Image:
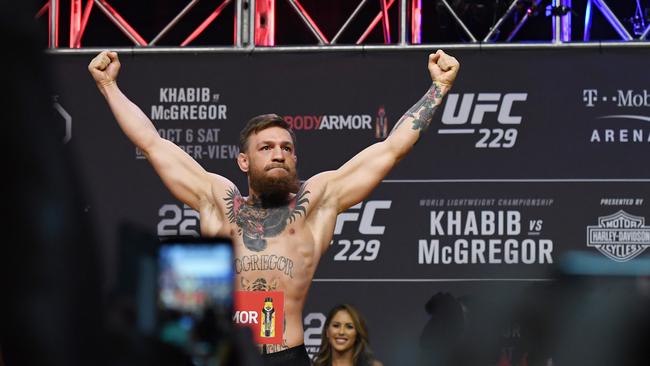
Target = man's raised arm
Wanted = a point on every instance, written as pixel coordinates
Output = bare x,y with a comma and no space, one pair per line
184,177
352,182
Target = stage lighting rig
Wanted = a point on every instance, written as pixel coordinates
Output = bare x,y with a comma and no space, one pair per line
640,19
557,11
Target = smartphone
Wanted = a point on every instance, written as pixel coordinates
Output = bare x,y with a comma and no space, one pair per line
195,293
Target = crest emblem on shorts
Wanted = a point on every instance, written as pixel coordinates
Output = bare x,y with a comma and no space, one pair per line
619,236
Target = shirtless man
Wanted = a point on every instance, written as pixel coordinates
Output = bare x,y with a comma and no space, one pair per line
280,222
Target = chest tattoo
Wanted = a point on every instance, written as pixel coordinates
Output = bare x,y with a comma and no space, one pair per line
256,223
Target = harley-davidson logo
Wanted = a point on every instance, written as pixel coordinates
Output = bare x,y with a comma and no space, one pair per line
619,236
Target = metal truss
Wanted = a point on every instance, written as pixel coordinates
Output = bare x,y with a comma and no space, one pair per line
255,22
79,16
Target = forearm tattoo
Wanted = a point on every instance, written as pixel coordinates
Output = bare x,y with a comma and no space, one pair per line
422,112
256,223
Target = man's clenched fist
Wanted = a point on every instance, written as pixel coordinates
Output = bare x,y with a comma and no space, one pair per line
443,68
104,68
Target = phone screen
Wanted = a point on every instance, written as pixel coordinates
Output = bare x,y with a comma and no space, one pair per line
195,293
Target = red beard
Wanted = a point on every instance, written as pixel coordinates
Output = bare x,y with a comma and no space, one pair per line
274,190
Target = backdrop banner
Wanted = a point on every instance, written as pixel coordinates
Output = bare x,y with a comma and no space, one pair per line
534,154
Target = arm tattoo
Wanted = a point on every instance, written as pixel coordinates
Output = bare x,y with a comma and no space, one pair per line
256,223
422,112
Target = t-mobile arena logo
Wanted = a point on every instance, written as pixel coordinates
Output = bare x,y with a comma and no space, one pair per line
620,98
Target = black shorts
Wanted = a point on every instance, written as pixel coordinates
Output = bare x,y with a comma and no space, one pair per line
295,356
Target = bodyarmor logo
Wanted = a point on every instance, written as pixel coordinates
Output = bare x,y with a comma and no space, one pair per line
329,122
620,236
262,312
381,124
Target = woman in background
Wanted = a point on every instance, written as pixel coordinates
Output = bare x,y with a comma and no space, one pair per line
345,340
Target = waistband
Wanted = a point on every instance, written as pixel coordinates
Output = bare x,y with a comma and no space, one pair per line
297,353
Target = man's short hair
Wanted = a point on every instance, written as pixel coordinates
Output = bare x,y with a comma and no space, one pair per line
262,122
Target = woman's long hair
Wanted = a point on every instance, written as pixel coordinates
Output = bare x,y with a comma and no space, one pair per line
361,355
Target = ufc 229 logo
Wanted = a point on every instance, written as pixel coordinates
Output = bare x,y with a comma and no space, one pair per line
466,114
362,216
177,220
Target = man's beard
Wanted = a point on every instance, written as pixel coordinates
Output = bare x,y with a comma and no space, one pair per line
274,191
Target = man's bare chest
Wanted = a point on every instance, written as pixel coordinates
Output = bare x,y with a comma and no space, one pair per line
255,225
286,261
